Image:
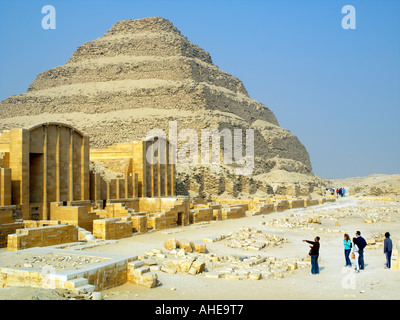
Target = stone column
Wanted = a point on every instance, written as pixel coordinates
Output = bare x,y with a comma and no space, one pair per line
58,188
19,164
85,169
71,166
44,193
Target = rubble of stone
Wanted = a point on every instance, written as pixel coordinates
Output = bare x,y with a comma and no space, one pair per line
304,224
54,261
252,239
211,265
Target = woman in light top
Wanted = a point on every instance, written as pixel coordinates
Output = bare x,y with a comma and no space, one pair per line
356,254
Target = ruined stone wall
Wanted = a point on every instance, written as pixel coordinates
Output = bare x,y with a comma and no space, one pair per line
76,215
49,162
42,236
112,228
5,187
155,177
7,229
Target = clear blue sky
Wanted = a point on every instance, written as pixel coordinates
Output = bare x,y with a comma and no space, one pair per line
337,90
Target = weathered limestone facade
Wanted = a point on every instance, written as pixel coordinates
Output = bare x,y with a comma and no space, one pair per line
49,162
5,187
42,236
44,176
149,160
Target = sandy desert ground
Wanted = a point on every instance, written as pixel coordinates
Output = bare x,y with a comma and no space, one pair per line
334,281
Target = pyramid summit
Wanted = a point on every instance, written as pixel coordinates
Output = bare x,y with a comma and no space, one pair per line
154,36
144,25
142,74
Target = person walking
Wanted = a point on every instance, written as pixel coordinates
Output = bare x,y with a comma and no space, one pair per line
347,249
361,243
314,253
387,249
356,254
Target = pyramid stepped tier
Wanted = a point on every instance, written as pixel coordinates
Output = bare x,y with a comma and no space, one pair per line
140,75
100,97
176,68
272,144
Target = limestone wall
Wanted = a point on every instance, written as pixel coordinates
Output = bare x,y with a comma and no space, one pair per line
76,215
155,176
7,229
42,236
113,210
201,214
5,187
296,204
139,223
6,215
112,228
110,271
114,189
281,205
48,162
233,212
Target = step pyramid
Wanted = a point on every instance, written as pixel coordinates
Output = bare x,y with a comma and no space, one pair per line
142,74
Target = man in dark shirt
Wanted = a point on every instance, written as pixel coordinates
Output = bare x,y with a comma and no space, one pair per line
387,249
361,245
314,253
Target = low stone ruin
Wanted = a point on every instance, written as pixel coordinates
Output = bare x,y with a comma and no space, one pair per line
252,239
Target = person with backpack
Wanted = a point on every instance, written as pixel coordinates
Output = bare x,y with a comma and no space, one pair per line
361,243
347,249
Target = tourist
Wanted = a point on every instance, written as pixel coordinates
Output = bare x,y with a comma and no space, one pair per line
343,192
361,245
314,253
347,249
356,254
387,249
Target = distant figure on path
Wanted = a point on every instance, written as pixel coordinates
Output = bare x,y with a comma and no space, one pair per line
356,254
387,249
347,249
343,192
314,253
361,245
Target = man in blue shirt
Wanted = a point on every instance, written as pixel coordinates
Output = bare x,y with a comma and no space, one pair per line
387,249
